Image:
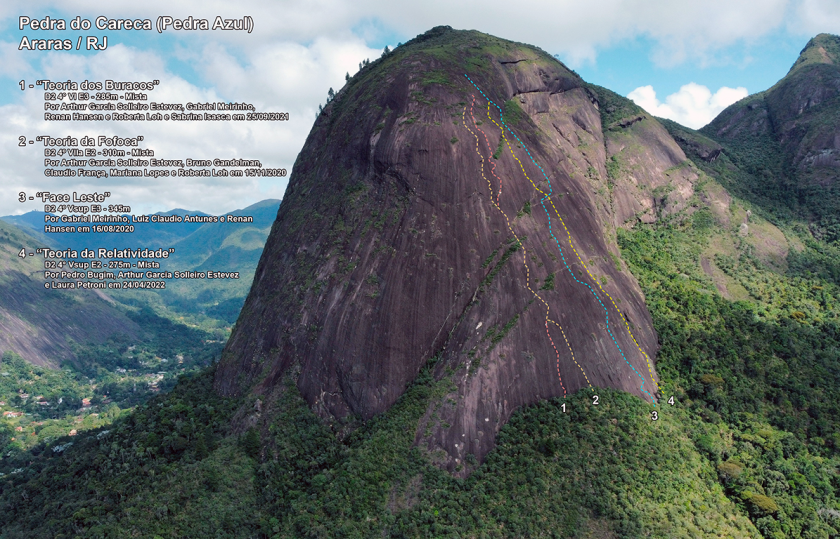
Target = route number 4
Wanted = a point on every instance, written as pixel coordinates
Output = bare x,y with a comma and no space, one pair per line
654,415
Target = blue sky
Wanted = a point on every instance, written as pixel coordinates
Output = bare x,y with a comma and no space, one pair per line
627,65
683,59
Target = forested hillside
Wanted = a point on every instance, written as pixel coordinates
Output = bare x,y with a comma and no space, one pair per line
742,438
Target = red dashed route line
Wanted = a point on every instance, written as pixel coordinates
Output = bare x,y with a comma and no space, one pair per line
525,257
524,251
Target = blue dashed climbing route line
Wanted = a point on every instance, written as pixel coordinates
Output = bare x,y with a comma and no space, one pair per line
551,232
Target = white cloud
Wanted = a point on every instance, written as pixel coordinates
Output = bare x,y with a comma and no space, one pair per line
284,72
300,48
816,16
693,105
683,29
12,64
285,77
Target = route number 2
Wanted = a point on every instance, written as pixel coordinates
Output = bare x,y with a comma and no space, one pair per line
595,399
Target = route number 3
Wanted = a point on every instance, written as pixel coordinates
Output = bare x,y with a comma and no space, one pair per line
654,415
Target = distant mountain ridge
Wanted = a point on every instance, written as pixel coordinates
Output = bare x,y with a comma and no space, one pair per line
152,235
207,240
219,246
412,187
41,325
226,247
787,138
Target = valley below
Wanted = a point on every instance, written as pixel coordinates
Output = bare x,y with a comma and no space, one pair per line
495,301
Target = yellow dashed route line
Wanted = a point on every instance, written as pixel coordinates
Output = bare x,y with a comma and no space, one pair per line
570,350
568,234
524,251
525,263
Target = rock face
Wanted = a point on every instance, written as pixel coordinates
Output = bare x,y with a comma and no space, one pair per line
649,172
455,201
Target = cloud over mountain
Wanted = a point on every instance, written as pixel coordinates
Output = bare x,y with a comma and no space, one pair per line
693,105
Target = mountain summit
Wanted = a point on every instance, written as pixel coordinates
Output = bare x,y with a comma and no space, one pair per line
446,252
787,138
456,204
821,49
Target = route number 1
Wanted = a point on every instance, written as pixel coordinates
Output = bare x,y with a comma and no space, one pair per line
563,406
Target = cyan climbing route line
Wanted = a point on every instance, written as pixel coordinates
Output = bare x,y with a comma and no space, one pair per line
547,196
571,244
481,162
524,251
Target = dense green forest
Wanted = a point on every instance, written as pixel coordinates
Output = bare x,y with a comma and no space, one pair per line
41,404
744,441
758,379
749,448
